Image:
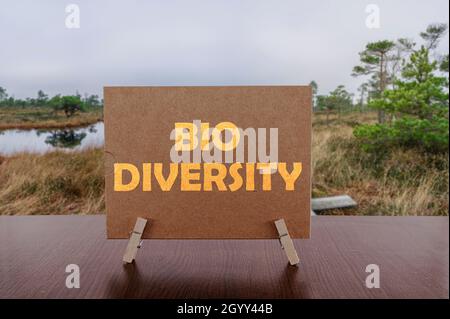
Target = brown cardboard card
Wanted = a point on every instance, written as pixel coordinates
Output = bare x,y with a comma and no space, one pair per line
208,162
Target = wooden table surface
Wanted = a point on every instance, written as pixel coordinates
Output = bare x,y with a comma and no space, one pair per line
412,253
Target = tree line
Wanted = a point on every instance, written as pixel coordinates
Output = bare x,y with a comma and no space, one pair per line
408,85
69,104
382,63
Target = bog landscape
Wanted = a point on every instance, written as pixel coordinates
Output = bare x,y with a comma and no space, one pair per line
386,146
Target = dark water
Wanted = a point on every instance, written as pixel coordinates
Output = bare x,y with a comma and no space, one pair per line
41,141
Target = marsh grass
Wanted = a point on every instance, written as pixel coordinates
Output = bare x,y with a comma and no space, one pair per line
401,182
44,118
53,183
398,182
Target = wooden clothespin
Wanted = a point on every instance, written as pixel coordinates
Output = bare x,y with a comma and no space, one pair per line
286,242
135,240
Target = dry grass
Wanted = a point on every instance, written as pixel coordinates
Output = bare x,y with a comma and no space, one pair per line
403,183
44,118
54,183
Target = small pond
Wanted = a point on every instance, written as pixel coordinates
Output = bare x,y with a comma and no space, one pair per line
44,140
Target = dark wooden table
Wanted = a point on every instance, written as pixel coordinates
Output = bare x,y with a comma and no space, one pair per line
412,253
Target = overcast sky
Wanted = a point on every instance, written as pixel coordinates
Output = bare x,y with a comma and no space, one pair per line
196,42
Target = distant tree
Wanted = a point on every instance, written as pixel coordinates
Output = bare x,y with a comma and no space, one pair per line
324,104
405,45
338,100
420,103
433,34
341,99
71,104
92,101
42,98
3,97
31,102
55,103
443,64
3,94
403,48
374,60
363,90
314,88
20,102
421,93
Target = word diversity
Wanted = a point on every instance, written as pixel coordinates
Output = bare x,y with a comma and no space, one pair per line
202,157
